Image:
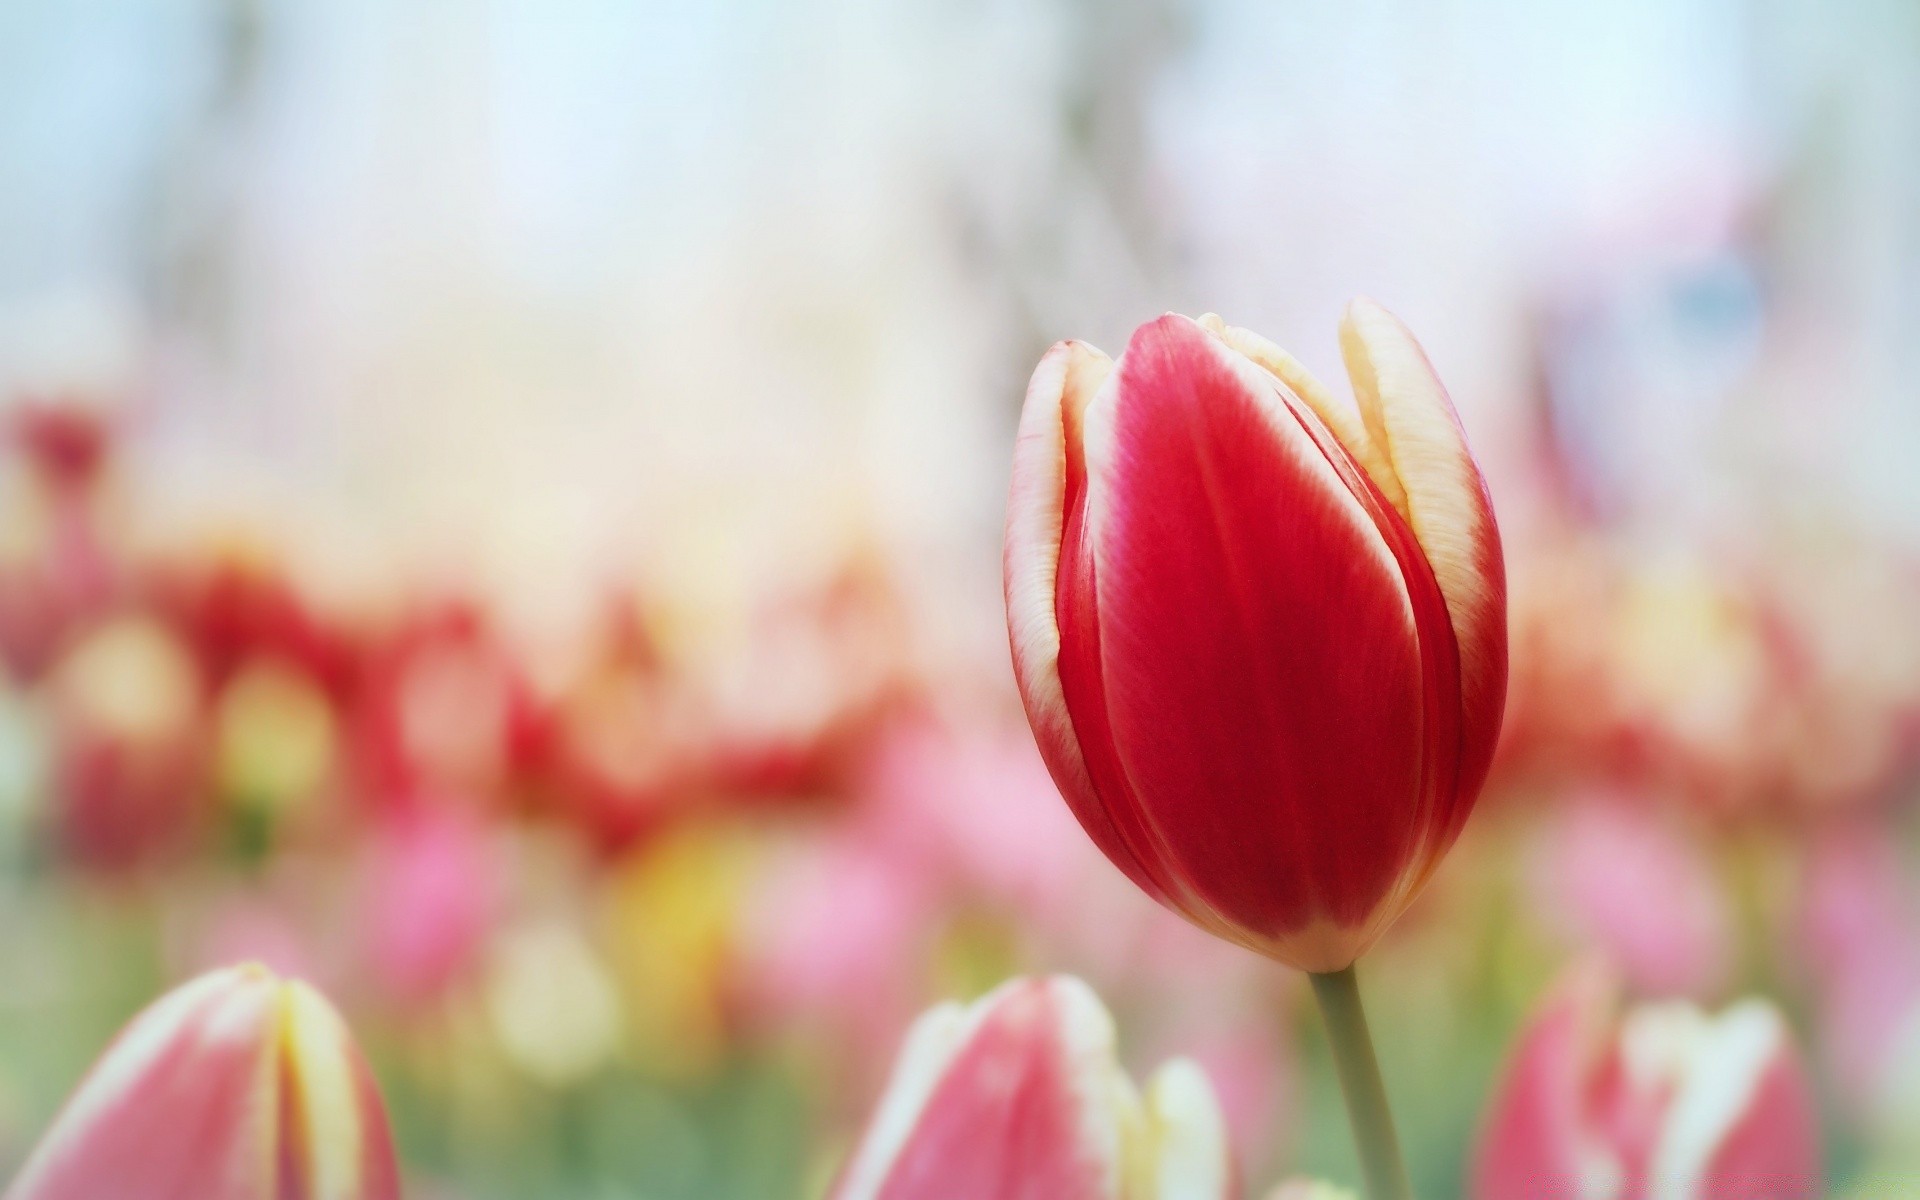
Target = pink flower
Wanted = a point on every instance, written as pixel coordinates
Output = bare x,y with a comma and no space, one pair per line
430,898
1666,1103
1260,632
1018,1097
234,1086
1622,879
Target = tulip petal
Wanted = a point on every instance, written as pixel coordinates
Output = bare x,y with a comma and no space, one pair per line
1742,1122
994,1101
335,1143
1258,653
234,1086
1186,1156
1047,461
181,1105
1339,416
1534,1142
1406,411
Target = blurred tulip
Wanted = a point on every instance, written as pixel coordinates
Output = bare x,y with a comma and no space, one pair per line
238,606
130,756
1018,1095
235,1086
1260,632
65,441
1617,876
431,891
447,709
805,682
834,932
975,809
626,754
1857,920
1666,1103
57,573
273,739
554,1006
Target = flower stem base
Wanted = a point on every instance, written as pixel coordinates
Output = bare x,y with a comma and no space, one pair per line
1380,1163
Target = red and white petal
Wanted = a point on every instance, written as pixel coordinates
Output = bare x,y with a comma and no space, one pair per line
1406,411
1044,501
334,1143
234,1086
1340,416
1535,1139
1259,658
184,1103
1017,1097
1743,1121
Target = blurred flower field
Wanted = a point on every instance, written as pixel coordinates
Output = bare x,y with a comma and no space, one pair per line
576,649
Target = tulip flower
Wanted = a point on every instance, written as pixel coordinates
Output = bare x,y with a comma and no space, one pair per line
1018,1097
235,1086
1666,1103
1260,632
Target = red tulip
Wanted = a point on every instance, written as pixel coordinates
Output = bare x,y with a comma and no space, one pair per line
1260,632
1665,1104
1018,1097
235,1086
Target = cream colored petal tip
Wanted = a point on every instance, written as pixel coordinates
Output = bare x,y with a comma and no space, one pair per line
1186,1156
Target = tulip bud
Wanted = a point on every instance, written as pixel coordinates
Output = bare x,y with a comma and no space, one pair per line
1665,1104
235,1086
1260,632
1018,1097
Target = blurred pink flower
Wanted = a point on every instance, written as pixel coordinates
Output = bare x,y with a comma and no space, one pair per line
1859,932
1620,877
977,808
430,898
1018,1096
1663,1102
834,932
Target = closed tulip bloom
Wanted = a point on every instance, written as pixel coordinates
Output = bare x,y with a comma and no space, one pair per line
235,1086
1667,1103
1019,1097
1260,631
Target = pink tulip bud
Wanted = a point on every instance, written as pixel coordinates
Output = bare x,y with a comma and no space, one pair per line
1664,1104
1018,1097
235,1086
1260,631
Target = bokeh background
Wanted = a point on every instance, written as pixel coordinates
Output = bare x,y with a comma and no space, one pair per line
500,515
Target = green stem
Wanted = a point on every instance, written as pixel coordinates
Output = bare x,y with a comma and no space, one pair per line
1380,1161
